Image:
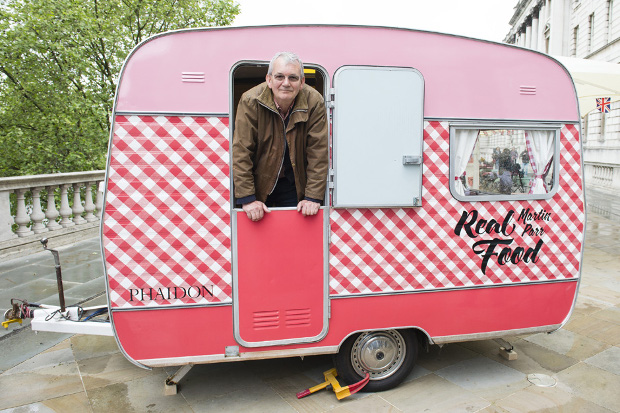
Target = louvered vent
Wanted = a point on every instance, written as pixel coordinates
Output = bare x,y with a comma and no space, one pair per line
527,90
298,318
193,77
264,320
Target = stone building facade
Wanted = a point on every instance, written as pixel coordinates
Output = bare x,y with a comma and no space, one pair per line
586,29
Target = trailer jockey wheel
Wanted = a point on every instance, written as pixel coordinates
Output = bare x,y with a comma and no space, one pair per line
388,356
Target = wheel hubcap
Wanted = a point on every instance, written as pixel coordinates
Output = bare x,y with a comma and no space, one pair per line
379,353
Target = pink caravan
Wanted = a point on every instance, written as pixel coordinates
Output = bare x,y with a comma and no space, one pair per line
454,209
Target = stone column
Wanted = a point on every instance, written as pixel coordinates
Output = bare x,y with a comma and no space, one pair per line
535,29
21,216
99,201
542,24
51,213
65,209
37,216
6,219
559,38
77,205
89,206
528,32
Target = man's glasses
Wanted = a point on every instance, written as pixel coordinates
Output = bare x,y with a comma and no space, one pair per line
291,78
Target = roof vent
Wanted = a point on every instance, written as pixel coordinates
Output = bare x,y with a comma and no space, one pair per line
527,90
193,77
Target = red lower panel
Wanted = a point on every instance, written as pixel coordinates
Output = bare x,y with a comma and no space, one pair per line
280,276
186,332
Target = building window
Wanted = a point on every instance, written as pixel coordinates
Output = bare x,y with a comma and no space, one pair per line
590,31
610,19
495,164
601,137
573,51
585,127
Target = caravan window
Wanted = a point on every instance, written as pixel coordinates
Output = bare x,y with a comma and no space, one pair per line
502,163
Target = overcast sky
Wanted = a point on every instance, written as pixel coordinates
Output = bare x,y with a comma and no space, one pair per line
483,19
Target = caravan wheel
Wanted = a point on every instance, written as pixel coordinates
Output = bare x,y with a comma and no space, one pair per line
387,356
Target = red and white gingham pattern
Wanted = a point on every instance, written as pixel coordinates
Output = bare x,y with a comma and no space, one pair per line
167,221
392,250
167,215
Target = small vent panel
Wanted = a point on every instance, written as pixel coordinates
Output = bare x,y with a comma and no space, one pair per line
527,90
298,318
193,77
264,320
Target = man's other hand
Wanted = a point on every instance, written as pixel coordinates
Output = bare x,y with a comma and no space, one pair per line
308,208
255,210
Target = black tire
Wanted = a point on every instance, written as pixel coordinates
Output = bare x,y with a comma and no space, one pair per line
388,356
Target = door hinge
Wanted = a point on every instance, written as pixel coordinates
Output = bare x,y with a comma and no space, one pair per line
331,97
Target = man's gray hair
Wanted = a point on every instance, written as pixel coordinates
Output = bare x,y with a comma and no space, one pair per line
288,57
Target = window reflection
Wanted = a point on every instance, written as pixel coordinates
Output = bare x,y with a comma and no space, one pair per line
503,161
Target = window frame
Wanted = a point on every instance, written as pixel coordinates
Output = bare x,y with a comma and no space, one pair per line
590,43
454,126
575,41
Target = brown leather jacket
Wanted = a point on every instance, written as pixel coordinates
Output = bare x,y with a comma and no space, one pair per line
258,144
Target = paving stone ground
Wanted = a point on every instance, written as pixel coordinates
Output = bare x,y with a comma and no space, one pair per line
576,369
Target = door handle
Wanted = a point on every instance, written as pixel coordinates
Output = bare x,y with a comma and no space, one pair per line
412,160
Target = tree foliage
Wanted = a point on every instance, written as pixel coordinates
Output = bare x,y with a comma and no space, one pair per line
59,63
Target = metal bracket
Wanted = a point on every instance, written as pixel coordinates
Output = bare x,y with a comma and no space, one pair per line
506,350
331,97
231,351
329,308
170,387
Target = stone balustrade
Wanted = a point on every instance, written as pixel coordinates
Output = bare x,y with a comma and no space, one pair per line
30,221
603,176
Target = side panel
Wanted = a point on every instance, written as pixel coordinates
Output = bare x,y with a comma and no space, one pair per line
394,250
166,228
193,333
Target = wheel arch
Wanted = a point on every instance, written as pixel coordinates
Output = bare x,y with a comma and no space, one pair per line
422,335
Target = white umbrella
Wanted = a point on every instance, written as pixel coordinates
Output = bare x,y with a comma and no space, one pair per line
593,79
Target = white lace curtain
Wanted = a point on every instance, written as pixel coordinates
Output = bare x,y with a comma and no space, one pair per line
540,149
465,142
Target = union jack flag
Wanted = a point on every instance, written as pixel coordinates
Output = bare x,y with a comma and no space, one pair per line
603,104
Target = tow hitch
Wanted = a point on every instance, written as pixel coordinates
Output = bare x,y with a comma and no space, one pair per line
63,319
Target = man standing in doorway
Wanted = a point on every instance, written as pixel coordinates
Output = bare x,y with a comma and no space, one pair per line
280,143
